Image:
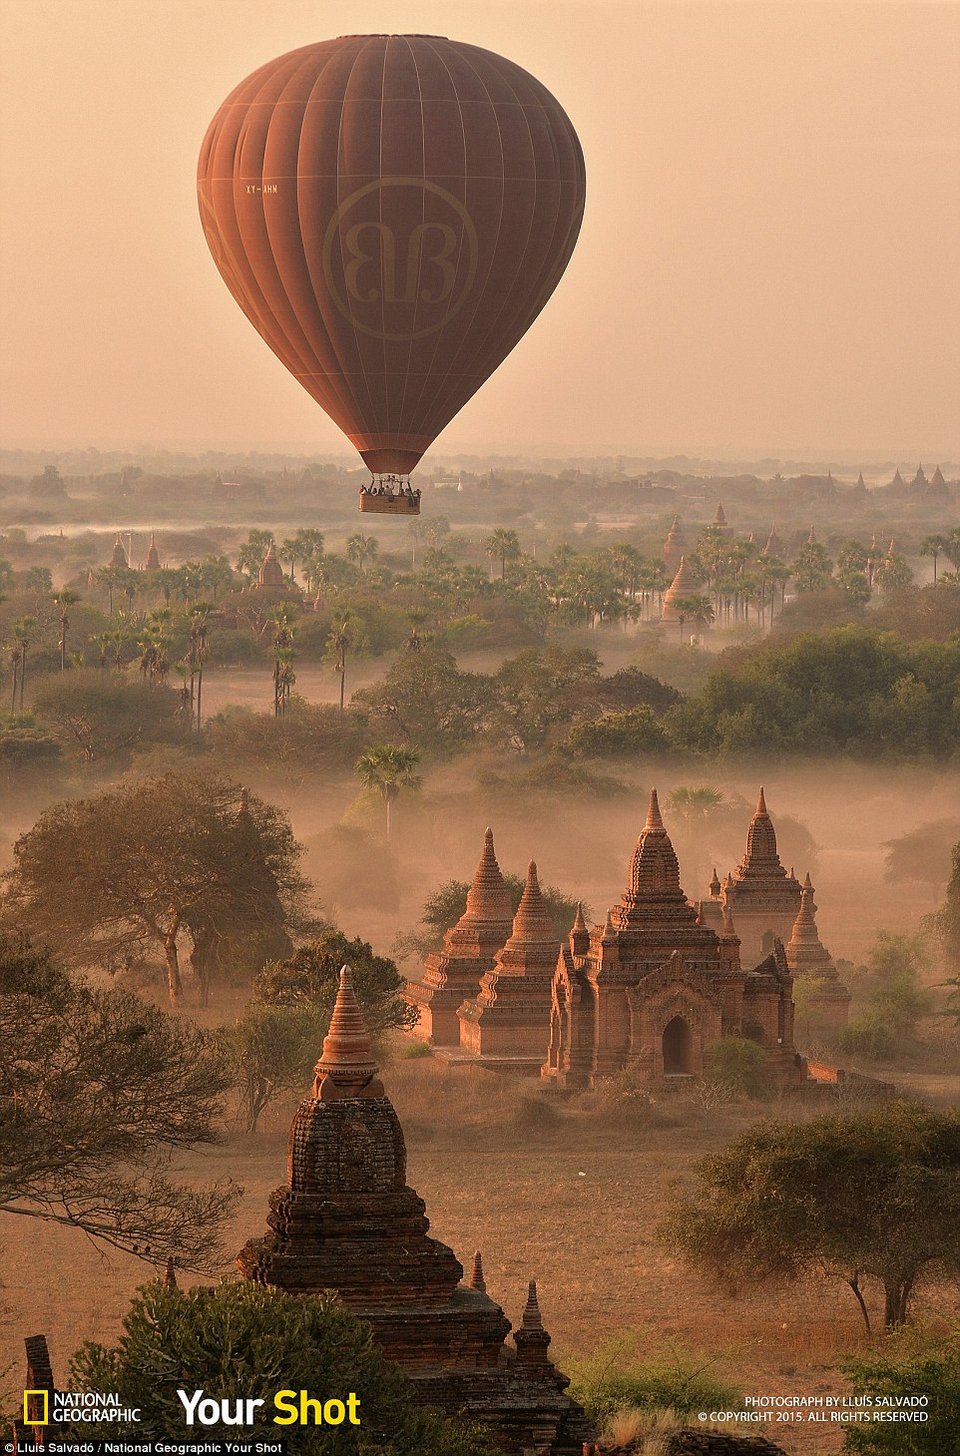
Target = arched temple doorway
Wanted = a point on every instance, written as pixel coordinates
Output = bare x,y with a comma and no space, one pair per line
677,1048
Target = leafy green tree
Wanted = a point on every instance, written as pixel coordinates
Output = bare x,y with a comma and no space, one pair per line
27,750
812,568
243,1341
539,690
386,769
893,573
140,866
922,855
934,1374
871,1198
271,1050
619,735
99,1092
428,702
310,976
101,720
630,687
895,1001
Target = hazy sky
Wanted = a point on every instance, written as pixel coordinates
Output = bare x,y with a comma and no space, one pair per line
770,259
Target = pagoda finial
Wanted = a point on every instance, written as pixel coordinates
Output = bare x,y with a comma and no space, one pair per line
761,803
346,1067
715,884
728,929
170,1278
807,882
579,924
477,1280
654,818
609,934
532,1318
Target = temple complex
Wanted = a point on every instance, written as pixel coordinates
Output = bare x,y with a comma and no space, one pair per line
347,1221
656,985
651,988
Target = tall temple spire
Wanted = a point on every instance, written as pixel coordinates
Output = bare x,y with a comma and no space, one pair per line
654,817
720,518
346,1067
761,857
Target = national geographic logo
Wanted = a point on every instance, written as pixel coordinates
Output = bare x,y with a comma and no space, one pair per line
400,281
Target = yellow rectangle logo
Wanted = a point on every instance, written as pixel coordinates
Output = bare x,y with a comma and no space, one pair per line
45,1418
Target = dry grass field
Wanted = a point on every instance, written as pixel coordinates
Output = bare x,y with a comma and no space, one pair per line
570,1197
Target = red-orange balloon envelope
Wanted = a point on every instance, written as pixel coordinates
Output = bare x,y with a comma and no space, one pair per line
391,212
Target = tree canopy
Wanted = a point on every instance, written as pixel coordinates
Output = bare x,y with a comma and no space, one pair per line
98,1090
242,1341
135,868
869,1198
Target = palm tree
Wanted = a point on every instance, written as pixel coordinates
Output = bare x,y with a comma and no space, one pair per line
215,574
22,630
502,546
361,549
303,547
111,577
199,613
932,546
101,641
343,634
697,609
64,598
387,769
283,673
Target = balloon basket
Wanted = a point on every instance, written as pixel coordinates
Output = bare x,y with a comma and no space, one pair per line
385,505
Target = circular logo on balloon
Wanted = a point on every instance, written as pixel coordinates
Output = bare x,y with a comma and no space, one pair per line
400,257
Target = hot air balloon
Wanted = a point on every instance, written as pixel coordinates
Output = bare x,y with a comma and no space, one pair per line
391,212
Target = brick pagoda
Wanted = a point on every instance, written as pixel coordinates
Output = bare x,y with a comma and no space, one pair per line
347,1221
